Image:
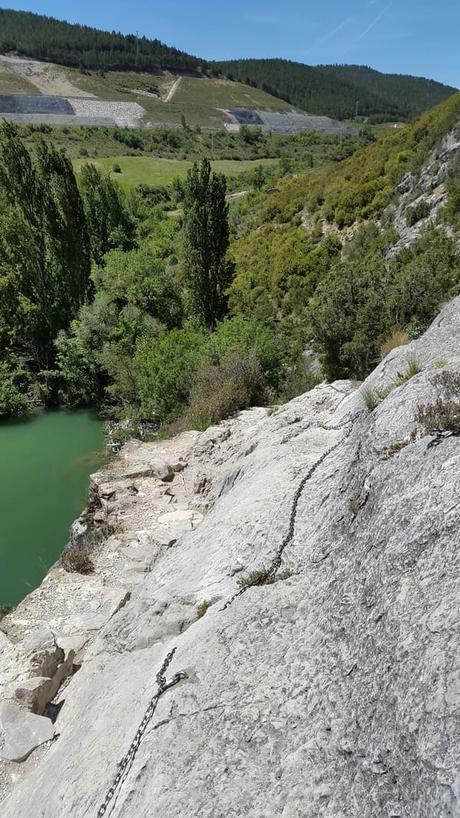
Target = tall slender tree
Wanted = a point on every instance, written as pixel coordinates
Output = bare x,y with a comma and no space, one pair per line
44,245
208,272
108,221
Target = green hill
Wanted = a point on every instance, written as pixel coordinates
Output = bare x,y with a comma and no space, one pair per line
314,255
339,91
44,38
413,95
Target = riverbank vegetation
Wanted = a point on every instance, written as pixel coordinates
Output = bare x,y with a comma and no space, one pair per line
109,301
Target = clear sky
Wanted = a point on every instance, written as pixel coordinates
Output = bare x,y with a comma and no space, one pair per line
406,36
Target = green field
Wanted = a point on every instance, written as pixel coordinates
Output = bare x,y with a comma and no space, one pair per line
147,170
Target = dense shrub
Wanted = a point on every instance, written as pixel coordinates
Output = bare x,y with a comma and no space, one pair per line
418,212
220,390
165,369
14,381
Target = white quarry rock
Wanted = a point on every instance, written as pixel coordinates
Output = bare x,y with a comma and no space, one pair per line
21,732
331,693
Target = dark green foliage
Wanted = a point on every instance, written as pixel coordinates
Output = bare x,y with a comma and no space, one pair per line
340,91
44,247
361,300
14,383
135,297
418,212
165,368
246,334
206,241
108,222
346,314
83,47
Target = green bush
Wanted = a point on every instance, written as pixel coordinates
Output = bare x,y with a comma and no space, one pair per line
219,391
14,382
77,561
165,369
415,214
247,334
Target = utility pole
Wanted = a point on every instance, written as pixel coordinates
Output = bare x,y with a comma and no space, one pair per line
137,49
357,109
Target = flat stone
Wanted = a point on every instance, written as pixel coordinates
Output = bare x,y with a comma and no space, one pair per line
21,732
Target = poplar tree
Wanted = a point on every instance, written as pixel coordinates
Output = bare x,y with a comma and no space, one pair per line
44,246
206,241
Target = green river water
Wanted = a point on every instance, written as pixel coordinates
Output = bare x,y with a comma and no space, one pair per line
44,468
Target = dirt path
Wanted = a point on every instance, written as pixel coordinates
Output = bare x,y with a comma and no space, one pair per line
230,197
172,90
50,80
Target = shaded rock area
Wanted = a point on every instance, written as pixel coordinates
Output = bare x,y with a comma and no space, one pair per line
329,688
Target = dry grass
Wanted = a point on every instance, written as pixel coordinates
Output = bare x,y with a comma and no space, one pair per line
397,339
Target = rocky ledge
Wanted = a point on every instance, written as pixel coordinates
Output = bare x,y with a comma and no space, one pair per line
272,625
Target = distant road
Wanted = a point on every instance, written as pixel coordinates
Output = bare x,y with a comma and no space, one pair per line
230,197
173,90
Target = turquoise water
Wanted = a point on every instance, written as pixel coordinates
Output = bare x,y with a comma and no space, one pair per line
44,468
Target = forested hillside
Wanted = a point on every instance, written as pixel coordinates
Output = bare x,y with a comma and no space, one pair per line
44,38
316,253
339,91
412,95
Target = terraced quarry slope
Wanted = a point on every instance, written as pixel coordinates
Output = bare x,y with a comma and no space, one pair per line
128,98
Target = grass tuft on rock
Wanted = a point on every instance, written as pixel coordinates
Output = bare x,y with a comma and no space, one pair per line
262,576
77,561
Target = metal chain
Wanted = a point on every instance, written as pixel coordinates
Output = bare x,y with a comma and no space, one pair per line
276,562
127,761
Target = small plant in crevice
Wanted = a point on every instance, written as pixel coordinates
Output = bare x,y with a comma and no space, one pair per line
357,502
262,576
202,608
442,416
413,368
448,382
399,445
77,561
372,397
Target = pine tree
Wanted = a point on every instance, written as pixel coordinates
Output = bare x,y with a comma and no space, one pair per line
208,273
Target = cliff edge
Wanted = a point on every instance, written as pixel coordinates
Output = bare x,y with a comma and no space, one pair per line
272,626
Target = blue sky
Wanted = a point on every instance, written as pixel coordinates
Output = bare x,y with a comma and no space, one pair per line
405,36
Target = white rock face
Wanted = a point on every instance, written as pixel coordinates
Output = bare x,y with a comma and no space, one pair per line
331,693
21,732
